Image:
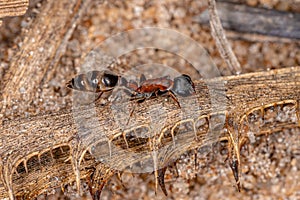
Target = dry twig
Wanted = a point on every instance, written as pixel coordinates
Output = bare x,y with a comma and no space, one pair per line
221,40
31,64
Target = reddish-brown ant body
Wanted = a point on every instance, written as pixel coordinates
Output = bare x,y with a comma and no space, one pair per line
147,88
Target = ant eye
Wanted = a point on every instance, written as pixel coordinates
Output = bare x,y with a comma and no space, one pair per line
110,80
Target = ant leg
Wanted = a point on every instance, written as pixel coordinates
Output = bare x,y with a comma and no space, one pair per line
141,100
133,109
124,136
156,93
98,97
130,115
174,97
128,91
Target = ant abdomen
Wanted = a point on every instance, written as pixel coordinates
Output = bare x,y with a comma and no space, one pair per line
94,81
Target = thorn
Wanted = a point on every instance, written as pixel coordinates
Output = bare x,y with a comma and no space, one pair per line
7,181
196,161
61,149
51,154
234,162
77,174
234,165
109,146
39,159
16,172
173,136
124,137
154,157
161,179
62,188
25,165
119,177
174,98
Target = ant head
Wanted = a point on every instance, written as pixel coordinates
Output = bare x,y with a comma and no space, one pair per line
183,86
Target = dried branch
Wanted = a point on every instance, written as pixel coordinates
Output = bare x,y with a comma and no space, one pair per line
262,22
221,40
31,64
46,134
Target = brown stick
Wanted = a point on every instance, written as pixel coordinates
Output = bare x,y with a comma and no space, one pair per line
221,40
46,133
251,20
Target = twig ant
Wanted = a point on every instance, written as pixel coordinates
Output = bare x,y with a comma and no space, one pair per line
104,81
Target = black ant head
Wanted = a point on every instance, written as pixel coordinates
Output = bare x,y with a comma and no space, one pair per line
183,86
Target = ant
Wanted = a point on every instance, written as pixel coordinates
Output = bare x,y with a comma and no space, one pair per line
105,81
